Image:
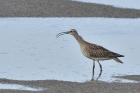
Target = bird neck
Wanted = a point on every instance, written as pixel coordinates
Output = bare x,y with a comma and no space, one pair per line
79,39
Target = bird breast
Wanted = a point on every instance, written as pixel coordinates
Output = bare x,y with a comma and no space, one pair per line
85,51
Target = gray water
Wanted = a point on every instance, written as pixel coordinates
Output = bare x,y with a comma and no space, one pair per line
29,49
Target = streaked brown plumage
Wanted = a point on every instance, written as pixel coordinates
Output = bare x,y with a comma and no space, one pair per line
97,52
93,51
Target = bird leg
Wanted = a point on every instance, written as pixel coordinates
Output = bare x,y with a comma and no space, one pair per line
100,70
93,70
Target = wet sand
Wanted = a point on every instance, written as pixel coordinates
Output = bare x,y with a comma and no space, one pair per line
66,8
130,77
54,86
62,8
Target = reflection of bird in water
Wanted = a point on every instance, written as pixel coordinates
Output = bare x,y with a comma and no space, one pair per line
93,51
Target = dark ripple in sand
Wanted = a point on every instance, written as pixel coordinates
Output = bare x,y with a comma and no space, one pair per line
130,77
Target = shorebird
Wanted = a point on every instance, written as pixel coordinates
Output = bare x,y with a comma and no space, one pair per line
93,51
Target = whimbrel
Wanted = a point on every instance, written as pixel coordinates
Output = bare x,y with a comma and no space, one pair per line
93,51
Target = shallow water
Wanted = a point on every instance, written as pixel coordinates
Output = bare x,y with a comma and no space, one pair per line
30,50
117,3
19,87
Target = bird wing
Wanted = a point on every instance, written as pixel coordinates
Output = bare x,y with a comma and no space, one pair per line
100,52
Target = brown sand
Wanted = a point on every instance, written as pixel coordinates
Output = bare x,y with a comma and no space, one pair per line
62,8
66,8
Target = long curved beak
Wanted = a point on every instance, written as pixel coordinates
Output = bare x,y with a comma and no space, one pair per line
62,33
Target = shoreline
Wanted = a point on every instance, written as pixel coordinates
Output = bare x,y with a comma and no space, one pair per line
67,8
55,86
63,8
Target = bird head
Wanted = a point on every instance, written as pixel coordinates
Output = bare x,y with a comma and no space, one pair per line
71,32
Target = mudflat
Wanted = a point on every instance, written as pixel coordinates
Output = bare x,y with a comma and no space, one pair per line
67,8
55,86
62,8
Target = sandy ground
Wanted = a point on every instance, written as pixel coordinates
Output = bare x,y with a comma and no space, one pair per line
54,86
66,8
130,77
62,8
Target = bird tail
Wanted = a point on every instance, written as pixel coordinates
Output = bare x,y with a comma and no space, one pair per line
118,60
121,56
